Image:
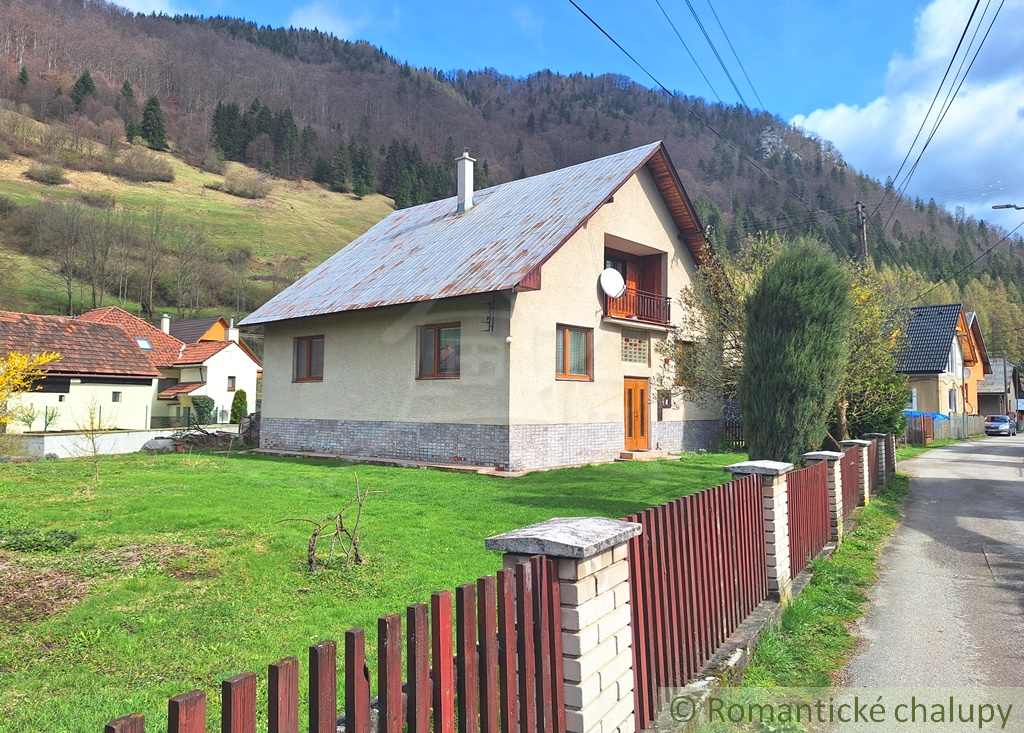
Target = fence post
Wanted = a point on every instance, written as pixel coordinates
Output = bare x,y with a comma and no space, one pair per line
865,479
597,634
776,521
835,488
890,442
882,440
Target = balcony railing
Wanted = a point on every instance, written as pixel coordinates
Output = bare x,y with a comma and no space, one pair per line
639,305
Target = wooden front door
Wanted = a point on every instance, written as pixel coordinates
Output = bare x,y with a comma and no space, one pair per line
635,398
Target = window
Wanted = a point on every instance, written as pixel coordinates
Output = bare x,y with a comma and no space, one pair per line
440,351
115,397
309,359
60,397
911,399
573,352
686,363
231,384
143,343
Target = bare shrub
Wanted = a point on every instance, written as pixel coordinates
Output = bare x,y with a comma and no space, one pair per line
50,175
97,199
246,185
141,166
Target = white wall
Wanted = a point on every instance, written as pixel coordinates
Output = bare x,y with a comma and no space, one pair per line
72,445
131,413
370,366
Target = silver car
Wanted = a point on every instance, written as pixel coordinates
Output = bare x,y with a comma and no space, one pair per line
1000,425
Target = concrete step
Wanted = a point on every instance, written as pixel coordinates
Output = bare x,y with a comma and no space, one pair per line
645,455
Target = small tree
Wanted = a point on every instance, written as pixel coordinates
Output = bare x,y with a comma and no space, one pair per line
91,427
797,345
203,407
19,373
154,127
84,87
27,415
50,416
23,77
239,406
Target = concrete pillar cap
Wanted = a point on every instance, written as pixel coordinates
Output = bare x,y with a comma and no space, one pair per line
854,442
764,468
572,537
823,455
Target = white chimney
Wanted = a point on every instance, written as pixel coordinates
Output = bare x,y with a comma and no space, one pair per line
231,334
464,167
165,323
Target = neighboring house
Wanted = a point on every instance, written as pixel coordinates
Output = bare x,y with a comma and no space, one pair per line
193,330
944,358
214,369
103,378
474,328
998,392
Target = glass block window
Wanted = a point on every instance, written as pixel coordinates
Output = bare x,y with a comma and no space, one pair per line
635,346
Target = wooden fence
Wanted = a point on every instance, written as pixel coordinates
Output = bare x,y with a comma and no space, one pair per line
809,526
696,571
504,676
849,469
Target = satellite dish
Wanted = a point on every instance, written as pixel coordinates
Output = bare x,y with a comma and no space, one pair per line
612,283
967,373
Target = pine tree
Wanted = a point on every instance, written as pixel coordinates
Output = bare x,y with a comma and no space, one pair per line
154,128
797,345
23,77
341,169
84,87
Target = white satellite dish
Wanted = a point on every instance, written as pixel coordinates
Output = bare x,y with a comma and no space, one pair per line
612,283
967,373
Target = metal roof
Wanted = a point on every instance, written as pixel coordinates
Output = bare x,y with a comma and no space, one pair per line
429,252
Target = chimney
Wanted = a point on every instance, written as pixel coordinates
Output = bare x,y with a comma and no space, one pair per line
231,334
464,167
165,323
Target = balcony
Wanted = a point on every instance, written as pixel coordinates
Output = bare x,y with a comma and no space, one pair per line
639,305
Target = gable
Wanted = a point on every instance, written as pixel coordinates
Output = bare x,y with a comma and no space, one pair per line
929,339
430,252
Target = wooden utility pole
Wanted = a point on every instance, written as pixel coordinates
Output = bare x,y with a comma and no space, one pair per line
862,232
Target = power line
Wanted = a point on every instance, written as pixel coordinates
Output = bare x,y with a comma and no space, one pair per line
735,55
969,265
692,57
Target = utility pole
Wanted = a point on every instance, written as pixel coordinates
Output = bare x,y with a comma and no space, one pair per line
862,232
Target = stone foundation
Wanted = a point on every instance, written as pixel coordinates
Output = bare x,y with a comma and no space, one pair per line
687,435
548,446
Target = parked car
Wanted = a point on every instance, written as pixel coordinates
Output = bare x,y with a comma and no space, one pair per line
1000,425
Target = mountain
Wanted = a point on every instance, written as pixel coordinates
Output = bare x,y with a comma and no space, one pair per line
303,104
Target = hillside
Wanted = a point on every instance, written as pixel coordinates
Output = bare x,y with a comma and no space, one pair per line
310,108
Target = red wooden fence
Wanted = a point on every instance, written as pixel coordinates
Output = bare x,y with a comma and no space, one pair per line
873,481
504,674
809,521
849,470
696,571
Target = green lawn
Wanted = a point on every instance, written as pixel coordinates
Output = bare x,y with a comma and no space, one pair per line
182,574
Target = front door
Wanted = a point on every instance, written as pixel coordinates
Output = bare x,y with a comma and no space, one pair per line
635,405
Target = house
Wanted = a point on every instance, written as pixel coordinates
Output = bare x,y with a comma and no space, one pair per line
944,358
193,330
474,329
214,369
998,392
104,377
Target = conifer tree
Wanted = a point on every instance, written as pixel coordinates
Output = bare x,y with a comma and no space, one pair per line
341,169
797,344
84,87
154,128
23,77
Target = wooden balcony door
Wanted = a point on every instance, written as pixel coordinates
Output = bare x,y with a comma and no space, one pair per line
635,401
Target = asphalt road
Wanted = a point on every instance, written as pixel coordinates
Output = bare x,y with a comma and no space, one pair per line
948,609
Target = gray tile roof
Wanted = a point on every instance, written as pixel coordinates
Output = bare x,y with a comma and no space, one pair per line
430,252
994,383
190,330
929,338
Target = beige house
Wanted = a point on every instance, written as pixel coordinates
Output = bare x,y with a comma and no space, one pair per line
476,329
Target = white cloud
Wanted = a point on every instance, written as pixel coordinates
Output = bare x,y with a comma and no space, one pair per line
981,138
326,16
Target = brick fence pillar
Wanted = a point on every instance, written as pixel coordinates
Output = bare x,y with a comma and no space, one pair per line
776,521
597,633
882,441
835,488
890,441
865,482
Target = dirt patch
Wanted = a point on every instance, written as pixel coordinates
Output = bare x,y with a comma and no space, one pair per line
183,561
32,594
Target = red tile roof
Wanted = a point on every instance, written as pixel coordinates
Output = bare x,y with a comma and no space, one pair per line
166,349
199,352
179,389
86,348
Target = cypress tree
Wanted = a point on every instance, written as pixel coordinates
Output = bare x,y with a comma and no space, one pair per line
154,128
797,344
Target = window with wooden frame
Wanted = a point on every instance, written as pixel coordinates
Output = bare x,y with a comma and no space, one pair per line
686,363
115,397
574,349
440,351
231,384
309,359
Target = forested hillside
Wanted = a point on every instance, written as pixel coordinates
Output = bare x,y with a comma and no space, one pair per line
305,106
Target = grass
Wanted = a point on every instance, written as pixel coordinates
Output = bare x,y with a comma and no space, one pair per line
181,574
814,640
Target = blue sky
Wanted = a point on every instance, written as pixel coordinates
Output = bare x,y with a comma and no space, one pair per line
860,73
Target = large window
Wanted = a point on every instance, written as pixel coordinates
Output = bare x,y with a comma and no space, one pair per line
440,351
573,352
309,359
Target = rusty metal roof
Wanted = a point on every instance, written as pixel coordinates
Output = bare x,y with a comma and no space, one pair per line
429,252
